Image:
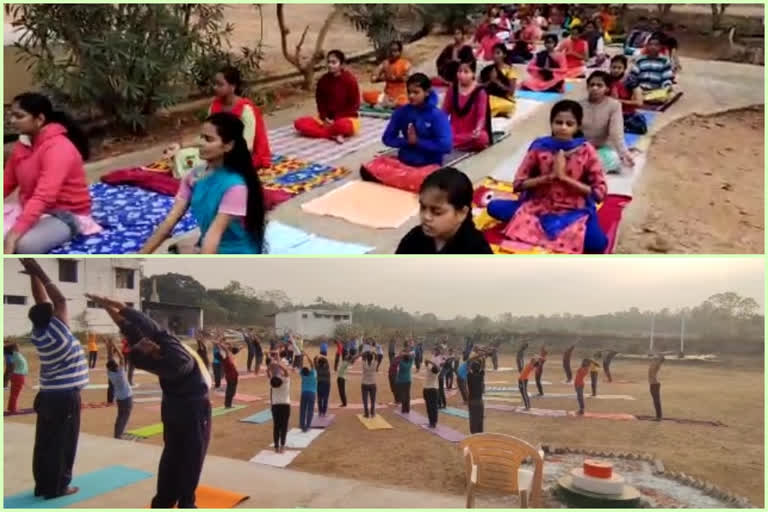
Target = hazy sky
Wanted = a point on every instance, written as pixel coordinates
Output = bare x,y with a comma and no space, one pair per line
448,286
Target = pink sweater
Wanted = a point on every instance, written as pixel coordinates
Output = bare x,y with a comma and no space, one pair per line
49,175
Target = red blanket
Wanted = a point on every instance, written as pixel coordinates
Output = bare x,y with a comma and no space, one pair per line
148,180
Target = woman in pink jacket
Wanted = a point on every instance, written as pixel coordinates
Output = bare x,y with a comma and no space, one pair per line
46,167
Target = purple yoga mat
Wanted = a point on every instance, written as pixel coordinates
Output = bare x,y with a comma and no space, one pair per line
322,421
19,412
444,432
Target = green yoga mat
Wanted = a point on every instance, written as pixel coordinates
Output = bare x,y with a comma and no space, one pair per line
91,484
453,411
157,428
369,111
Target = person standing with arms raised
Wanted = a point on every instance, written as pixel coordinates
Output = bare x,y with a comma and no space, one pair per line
186,405
63,373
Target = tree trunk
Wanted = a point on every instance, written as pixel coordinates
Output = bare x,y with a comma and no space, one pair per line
717,15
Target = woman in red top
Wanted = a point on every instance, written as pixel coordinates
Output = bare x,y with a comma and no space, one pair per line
576,52
466,103
46,167
578,383
338,100
227,87
629,94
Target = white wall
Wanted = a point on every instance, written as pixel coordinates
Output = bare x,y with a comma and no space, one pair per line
311,326
96,275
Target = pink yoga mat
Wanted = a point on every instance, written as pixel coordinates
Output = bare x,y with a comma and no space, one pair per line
243,397
322,421
446,433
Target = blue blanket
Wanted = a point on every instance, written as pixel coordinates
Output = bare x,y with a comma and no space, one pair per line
129,215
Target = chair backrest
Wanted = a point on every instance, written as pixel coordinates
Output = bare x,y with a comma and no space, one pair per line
498,458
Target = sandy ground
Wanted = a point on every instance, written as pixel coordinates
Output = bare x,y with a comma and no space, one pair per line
406,456
703,189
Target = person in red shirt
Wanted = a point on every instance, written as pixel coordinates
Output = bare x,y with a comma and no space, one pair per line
578,384
338,103
230,371
522,381
339,352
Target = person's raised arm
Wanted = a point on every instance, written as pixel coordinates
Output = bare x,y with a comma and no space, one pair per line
53,292
38,289
309,360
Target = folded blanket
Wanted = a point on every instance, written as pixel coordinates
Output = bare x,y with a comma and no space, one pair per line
148,180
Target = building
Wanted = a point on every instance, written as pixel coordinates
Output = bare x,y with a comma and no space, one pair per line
113,277
182,319
311,322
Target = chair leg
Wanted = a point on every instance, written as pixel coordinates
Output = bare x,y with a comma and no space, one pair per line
470,496
523,499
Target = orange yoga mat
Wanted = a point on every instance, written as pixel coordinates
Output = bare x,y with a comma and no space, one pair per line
367,204
212,497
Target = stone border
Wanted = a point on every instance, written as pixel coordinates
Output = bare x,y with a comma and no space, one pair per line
708,488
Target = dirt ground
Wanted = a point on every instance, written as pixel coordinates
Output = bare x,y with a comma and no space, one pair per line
703,188
407,456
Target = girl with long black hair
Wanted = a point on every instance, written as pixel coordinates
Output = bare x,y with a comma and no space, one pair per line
225,195
46,168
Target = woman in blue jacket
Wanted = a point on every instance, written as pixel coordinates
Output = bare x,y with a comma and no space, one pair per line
421,132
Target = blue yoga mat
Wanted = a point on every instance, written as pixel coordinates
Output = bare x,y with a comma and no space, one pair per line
544,97
461,413
91,485
631,139
260,417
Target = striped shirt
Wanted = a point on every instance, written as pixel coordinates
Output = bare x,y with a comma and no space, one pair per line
651,73
62,362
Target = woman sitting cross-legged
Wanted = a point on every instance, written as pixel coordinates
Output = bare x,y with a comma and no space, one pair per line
421,133
560,181
338,102
500,82
546,71
225,195
466,103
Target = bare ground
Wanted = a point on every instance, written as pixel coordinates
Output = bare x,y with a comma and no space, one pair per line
702,190
730,457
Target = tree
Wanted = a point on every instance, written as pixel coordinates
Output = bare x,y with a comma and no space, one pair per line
305,65
120,61
718,10
377,21
664,10
174,288
450,16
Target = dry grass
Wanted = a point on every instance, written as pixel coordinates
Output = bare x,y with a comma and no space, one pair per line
731,457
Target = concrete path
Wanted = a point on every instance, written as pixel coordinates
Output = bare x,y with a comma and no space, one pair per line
268,487
710,87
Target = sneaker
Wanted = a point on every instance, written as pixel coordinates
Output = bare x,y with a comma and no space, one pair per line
365,414
580,413
432,425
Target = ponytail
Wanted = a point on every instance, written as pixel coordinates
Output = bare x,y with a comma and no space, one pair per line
36,104
239,160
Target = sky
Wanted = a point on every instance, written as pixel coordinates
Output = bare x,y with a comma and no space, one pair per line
468,286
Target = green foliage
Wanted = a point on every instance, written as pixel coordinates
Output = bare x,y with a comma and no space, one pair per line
450,16
124,61
377,21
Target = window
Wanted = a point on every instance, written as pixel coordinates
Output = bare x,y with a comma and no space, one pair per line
17,300
124,278
337,317
345,317
92,305
68,271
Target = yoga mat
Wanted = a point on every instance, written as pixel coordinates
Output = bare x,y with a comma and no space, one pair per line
663,107
148,392
286,141
95,405
552,413
503,399
611,397
606,415
367,204
380,113
279,460
623,183
352,407
554,395
91,485
86,388
242,397
443,432
220,411
19,412
148,399
129,215
296,176
544,97
260,417
507,168
298,439
148,431
212,497
322,421
685,421
501,407
375,423
453,411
